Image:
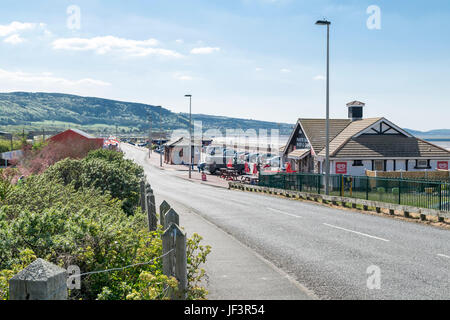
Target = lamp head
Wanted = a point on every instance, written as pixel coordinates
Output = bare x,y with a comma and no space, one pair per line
323,22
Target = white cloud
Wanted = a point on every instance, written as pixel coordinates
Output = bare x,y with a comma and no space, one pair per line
14,39
15,27
182,77
179,41
204,50
18,79
285,70
319,78
12,32
258,69
106,44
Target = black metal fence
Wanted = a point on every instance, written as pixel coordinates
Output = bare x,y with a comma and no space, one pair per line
417,193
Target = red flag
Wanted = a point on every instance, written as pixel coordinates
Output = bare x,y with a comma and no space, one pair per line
255,169
247,168
288,167
230,163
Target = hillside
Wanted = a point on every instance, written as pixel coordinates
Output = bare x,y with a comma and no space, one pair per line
431,134
53,111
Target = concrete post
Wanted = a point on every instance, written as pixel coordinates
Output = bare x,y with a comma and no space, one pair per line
175,263
41,280
163,209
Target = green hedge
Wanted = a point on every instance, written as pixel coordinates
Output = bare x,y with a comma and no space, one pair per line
86,213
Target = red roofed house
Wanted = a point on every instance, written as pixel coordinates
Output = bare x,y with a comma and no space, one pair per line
77,139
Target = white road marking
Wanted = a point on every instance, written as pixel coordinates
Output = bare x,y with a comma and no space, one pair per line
360,233
282,212
443,255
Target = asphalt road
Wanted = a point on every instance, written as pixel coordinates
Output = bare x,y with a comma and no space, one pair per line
331,252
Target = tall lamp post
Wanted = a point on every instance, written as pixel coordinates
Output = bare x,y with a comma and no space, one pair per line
160,137
190,134
327,160
150,119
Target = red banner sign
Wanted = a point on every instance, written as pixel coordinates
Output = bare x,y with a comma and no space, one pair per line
341,167
442,165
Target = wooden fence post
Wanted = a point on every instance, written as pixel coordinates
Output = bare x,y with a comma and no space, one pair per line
163,209
41,280
151,213
175,263
171,217
142,195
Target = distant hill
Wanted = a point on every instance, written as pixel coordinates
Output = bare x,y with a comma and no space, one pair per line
431,134
52,111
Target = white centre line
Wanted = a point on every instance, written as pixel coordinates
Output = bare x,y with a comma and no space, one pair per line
282,212
360,233
443,255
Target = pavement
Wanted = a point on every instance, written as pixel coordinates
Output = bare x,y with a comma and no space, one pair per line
273,248
182,171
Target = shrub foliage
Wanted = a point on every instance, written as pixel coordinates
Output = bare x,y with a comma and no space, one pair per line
85,213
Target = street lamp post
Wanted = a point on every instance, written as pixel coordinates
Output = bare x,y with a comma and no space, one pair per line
327,160
160,137
190,134
150,119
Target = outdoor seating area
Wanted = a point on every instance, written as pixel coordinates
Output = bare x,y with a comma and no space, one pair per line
229,174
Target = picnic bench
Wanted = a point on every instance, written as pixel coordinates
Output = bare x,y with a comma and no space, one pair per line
229,174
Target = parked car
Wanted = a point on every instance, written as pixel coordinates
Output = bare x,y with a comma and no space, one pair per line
213,150
252,157
262,159
242,155
276,163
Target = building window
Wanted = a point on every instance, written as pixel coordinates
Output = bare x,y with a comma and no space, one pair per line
358,163
379,165
423,164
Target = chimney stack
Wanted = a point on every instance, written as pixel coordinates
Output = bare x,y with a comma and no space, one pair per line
355,110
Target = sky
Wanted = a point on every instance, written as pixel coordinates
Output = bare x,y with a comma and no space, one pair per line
255,59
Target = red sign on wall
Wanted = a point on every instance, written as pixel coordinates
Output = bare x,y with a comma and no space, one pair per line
442,165
341,167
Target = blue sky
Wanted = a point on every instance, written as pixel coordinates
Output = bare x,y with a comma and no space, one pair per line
258,59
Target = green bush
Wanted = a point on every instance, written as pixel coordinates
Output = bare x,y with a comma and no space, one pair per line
104,170
381,190
51,217
5,145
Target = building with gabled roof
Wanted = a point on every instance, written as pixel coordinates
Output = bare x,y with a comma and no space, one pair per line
358,144
76,137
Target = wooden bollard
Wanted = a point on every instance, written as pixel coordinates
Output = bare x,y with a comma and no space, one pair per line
163,209
171,217
175,262
151,213
142,200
